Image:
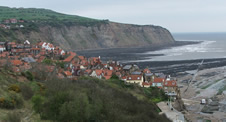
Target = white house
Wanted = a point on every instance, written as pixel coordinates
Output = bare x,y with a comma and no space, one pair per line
62,52
27,42
2,48
48,46
98,73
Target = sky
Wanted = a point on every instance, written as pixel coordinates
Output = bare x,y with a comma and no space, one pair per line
175,15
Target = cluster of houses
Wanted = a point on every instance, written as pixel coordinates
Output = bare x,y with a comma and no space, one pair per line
21,56
6,24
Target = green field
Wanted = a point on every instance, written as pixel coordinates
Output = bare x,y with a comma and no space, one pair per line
33,14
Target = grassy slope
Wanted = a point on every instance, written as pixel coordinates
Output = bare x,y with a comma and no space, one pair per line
38,14
130,100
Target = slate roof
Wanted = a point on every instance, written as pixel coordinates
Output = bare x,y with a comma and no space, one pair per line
29,59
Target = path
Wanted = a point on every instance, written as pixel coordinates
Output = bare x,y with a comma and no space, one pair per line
173,115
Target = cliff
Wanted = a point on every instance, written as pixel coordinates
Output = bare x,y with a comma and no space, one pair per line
110,35
79,33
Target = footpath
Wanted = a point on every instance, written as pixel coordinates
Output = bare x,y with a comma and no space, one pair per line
173,115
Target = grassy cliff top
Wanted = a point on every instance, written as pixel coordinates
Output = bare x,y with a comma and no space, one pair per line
30,14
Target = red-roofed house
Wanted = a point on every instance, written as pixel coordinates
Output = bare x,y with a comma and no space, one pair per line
146,70
16,62
69,58
158,82
170,87
13,20
107,74
87,72
138,79
68,74
41,58
4,54
98,73
61,52
146,84
81,57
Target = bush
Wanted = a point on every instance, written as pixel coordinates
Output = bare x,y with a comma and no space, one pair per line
29,75
26,91
48,61
14,87
90,99
13,117
12,101
37,101
16,100
155,94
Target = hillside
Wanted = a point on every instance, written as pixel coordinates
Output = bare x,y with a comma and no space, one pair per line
30,14
86,99
78,33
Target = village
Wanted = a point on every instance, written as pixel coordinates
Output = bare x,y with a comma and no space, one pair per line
20,58
12,23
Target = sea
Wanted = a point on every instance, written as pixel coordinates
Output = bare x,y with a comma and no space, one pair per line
211,50
212,46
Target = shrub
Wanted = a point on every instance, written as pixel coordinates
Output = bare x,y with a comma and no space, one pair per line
26,91
16,100
2,100
13,117
12,101
14,87
48,61
37,101
29,75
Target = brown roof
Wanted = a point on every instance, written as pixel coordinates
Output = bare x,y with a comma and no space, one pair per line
67,73
107,77
158,80
69,58
146,70
98,72
146,84
41,58
88,71
134,77
107,72
171,83
81,57
16,62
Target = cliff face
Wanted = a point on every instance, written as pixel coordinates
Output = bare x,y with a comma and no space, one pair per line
110,35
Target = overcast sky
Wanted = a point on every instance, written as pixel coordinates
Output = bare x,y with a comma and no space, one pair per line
175,15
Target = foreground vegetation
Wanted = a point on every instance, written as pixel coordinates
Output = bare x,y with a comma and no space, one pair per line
86,99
